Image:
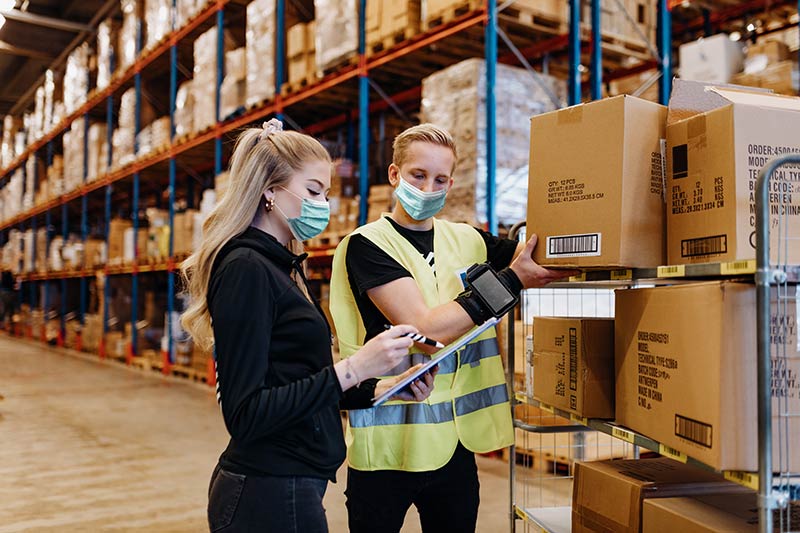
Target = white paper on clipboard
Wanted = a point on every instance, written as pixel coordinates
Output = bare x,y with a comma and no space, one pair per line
448,350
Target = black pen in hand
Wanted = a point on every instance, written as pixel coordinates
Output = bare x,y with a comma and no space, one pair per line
418,337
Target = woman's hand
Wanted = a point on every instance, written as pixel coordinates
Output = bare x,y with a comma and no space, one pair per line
418,390
377,357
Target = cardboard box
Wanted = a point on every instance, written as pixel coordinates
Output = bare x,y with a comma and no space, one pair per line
602,158
296,40
116,239
713,59
686,370
608,495
761,55
713,161
573,364
715,513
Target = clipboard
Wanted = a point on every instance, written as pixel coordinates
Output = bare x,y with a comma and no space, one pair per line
448,350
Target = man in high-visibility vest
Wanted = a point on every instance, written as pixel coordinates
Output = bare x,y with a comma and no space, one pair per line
408,268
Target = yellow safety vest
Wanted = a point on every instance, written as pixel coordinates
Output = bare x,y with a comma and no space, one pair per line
470,399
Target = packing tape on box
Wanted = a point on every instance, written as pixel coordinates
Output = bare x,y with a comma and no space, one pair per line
570,115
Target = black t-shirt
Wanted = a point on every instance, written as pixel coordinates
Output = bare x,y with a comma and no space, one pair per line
368,267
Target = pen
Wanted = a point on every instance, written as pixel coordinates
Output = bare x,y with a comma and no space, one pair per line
417,337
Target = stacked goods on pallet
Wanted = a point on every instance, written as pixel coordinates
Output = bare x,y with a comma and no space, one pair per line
301,52
98,151
551,14
91,332
455,98
55,177
106,52
155,136
158,21
185,10
713,60
183,242
41,262
8,153
768,65
644,85
31,178
76,79
380,201
205,76
131,14
11,196
123,137
73,155
116,240
184,110
233,92
259,49
626,21
27,259
95,253
389,23
53,107
337,32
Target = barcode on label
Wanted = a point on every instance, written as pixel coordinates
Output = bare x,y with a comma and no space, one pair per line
738,267
623,434
672,453
584,245
694,431
746,479
672,270
715,244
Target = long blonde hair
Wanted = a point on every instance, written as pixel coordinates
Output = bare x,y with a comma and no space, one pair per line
259,162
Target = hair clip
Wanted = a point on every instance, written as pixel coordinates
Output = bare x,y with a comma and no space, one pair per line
269,127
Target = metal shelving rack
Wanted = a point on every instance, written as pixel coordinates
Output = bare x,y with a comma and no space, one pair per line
771,277
369,70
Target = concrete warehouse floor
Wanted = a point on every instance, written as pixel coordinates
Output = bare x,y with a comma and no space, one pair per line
92,446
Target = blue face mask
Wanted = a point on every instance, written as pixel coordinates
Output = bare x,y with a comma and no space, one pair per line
419,205
313,219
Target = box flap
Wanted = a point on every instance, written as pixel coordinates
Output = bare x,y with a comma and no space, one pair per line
777,101
691,98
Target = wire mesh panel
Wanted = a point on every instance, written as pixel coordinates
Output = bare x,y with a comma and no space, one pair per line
778,242
547,445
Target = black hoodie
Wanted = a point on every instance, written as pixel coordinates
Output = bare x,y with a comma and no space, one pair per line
278,391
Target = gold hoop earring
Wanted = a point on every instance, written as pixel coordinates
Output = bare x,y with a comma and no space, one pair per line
269,204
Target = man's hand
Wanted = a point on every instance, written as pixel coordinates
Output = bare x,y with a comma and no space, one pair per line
532,275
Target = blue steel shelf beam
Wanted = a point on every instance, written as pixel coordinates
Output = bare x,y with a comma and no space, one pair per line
363,114
664,51
133,348
574,47
280,53
490,50
84,217
597,53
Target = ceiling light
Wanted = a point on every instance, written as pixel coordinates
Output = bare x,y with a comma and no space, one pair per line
751,27
7,5
735,36
2,20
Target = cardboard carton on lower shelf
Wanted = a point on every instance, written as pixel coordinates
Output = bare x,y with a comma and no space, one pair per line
713,160
608,495
602,159
686,370
573,364
717,513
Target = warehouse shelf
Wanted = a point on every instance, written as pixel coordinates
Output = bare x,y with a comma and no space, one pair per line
547,519
120,78
746,479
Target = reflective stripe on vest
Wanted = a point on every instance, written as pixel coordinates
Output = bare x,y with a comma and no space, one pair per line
481,399
422,413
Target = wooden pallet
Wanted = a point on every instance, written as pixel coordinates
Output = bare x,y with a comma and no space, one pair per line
386,42
341,65
298,85
452,12
531,17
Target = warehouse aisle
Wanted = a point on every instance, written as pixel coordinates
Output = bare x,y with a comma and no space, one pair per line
88,446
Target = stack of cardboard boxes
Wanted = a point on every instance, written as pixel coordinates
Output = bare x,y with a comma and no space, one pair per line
668,187
259,51
392,22
233,92
301,53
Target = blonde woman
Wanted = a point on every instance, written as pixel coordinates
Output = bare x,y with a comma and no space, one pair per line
278,387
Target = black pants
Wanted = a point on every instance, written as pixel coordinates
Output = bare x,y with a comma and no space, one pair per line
447,499
265,504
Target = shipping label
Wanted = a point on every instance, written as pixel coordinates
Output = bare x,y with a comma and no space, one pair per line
653,369
570,190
